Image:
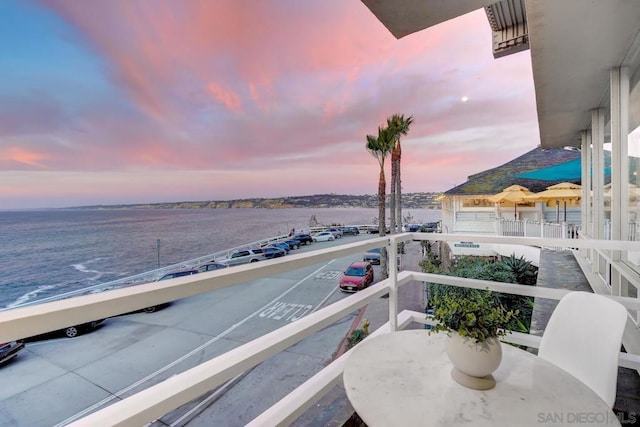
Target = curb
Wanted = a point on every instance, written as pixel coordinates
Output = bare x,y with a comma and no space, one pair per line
342,348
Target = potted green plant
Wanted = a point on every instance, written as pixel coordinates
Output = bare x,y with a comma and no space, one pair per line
473,320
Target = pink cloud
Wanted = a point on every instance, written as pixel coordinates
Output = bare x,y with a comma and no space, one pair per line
21,156
226,97
311,80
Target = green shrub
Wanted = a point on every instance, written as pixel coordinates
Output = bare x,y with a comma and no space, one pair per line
471,313
357,335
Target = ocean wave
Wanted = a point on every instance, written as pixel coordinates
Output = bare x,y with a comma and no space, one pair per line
30,295
81,267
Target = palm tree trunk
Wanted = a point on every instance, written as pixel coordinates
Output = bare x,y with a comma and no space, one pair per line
392,194
398,189
382,184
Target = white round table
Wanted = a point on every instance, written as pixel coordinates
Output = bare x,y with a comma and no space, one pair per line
404,379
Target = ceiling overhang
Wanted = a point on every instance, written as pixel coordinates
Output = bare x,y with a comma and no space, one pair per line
508,21
404,17
573,44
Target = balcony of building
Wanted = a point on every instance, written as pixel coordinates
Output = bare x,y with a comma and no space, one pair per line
154,402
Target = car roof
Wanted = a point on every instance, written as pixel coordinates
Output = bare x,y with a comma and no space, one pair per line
180,273
358,264
377,250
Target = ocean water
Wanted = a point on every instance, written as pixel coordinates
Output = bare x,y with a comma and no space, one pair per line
45,253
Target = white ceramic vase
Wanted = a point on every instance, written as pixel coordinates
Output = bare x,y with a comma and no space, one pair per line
473,363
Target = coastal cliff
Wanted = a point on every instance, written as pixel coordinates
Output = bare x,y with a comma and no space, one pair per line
409,201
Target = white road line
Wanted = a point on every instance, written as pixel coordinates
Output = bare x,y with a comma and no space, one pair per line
119,393
333,291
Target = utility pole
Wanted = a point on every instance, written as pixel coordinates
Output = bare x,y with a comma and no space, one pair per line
158,251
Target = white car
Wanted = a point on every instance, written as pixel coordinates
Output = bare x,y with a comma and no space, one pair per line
336,232
324,236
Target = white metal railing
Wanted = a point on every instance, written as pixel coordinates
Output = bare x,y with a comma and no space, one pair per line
633,230
179,389
529,228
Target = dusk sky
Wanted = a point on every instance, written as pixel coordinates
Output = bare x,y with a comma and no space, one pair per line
137,101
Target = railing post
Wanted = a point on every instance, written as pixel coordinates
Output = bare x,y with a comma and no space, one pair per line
392,250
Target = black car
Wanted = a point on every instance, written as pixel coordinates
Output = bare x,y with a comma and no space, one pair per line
303,238
168,276
350,230
273,252
69,332
293,243
211,266
10,350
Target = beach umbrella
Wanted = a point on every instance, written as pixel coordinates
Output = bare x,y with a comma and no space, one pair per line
514,194
560,193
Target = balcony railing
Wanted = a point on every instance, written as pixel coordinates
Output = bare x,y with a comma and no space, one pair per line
157,400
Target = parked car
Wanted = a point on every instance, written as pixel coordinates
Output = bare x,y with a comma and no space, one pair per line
69,332
244,257
303,238
293,243
282,245
168,276
429,227
273,252
376,230
10,350
350,230
336,232
324,236
372,256
175,274
211,266
356,277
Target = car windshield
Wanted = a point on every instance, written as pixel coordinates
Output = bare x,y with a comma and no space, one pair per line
174,275
352,271
375,250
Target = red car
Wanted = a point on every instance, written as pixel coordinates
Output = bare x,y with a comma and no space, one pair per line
357,276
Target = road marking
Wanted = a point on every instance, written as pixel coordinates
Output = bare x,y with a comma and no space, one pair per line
333,291
280,309
119,393
328,275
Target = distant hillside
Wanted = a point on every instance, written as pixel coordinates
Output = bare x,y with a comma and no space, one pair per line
409,201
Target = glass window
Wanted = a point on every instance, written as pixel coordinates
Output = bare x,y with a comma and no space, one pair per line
633,184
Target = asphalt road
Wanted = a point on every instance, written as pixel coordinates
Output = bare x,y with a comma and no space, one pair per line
54,382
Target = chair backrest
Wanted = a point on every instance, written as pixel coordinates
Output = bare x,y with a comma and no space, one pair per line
583,337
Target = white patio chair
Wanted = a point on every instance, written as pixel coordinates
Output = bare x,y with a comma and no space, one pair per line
583,337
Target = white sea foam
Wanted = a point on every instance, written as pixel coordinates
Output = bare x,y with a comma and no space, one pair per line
30,295
84,269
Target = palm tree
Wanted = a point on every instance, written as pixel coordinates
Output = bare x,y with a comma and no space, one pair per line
399,127
380,147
